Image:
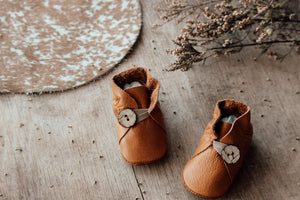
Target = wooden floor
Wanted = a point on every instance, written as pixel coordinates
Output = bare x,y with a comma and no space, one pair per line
64,145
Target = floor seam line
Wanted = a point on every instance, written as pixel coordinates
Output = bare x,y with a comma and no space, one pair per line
137,182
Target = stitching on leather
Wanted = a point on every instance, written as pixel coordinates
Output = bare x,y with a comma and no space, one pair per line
228,172
139,122
124,135
158,123
201,151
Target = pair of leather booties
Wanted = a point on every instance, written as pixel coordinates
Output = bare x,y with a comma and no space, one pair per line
142,134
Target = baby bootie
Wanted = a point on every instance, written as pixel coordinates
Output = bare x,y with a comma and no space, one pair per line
140,124
221,151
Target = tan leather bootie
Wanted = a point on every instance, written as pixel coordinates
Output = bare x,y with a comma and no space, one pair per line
221,151
140,124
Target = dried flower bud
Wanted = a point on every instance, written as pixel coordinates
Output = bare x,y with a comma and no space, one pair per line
225,26
269,31
228,52
261,9
227,42
190,21
207,9
227,18
217,6
246,2
292,16
260,38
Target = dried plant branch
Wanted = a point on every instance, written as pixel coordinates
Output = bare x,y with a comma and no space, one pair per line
224,27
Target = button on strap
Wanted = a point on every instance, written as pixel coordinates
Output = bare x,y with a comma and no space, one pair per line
229,153
129,117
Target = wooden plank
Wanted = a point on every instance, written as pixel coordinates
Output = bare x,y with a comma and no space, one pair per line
271,166
43,169
57,161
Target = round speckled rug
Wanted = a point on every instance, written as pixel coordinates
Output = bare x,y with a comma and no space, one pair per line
54,45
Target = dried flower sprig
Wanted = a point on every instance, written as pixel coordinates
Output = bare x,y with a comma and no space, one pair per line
223,27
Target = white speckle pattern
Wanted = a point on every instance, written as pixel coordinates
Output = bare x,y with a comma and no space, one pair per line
56,45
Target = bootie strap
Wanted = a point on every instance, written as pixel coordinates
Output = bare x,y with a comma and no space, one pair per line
130,117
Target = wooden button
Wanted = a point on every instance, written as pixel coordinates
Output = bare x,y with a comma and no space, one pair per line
230,154
127,117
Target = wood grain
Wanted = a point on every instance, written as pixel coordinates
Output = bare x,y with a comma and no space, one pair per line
58,161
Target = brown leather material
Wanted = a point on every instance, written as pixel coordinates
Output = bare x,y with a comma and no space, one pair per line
206,174
145,142
224,128
140,95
